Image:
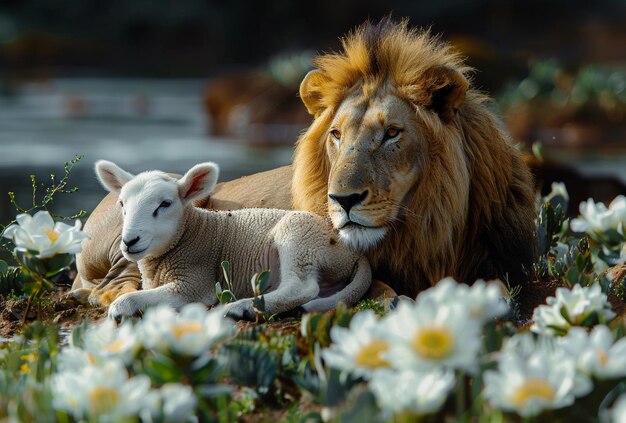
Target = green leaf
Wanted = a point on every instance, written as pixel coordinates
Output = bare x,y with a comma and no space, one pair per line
590,320
565,314
218,289
56,264
162,369
205,370
4,267
573,276
259,304
250,364
213,391
558,330
227,297
227,271
613,237
362,409
30,261
13,280
263,281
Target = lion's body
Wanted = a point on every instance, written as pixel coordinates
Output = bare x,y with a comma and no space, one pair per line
441,190
463,208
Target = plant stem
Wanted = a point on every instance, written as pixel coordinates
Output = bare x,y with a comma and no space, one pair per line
28,303
460,397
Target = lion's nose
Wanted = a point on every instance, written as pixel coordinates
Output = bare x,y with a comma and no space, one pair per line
348,201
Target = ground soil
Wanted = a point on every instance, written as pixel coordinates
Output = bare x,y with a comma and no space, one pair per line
52,307
57,307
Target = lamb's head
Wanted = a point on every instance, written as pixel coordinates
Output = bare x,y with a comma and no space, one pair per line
153,204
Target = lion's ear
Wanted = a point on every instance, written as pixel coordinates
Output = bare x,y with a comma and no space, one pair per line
311,91
445,90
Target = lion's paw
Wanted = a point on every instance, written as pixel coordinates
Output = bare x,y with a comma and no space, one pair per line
124,306
240,310
94,299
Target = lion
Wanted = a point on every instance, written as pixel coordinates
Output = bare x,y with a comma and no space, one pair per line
405,159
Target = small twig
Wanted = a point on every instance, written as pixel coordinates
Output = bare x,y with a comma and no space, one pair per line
30,300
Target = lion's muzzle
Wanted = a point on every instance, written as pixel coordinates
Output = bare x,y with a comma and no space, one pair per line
348,201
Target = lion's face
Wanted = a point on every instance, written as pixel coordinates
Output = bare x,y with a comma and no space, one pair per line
374,148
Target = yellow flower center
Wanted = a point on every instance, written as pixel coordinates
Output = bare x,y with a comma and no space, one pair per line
103,398
185,328
603,358
115,347
533,388
433,343
25,369
52,235
28,357
371,355
91,359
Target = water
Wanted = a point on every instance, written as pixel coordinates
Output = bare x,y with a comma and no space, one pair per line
139,124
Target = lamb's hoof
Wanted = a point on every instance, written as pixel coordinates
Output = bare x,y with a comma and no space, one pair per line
80,295
240,310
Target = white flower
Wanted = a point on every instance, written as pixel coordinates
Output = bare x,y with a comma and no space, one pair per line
571,308
73,359
179,402
427,334
618,412
105,394
411,391
483,300
596,353
597,218
360,349
39,233
105,340
191,332
558,188
533,377
599,265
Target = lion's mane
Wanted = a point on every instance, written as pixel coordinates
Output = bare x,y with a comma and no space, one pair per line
468,219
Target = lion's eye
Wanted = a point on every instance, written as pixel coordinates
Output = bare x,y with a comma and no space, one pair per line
336,134
391,133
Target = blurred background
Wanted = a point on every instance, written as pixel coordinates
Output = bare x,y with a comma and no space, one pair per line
166,84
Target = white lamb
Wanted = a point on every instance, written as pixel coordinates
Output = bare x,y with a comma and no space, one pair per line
179,248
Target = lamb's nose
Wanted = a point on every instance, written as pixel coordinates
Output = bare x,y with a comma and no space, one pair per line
131,242
348,201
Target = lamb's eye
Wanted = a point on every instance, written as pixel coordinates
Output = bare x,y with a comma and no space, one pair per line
391,133
164,204
336,134
121,204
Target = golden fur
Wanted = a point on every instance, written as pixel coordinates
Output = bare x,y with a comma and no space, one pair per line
466,198
466,207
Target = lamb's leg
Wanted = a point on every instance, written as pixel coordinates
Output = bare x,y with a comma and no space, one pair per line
132,303
291,293
351,294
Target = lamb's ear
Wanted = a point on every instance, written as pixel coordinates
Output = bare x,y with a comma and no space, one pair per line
444,91
198,182
111,176
311,89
